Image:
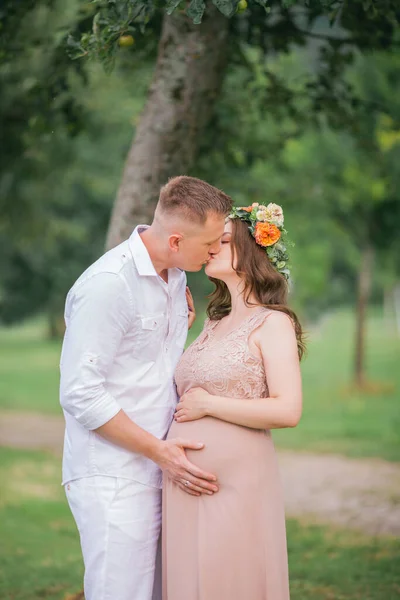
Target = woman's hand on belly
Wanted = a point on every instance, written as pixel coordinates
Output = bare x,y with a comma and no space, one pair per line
193,405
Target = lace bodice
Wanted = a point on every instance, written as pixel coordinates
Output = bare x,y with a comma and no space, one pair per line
224,367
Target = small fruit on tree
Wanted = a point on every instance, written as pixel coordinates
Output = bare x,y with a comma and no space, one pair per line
125,41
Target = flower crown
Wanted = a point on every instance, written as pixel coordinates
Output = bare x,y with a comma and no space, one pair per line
266,226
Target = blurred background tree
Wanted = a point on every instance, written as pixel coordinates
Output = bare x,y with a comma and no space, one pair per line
66,128
196,47
289,102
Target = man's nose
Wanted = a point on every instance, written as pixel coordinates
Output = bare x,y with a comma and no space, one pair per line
215,249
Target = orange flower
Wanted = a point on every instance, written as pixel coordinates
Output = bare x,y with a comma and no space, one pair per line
246,208
267,234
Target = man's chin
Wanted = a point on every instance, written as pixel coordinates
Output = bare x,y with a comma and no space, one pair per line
193,268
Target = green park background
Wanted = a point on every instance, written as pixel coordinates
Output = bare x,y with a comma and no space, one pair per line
304,121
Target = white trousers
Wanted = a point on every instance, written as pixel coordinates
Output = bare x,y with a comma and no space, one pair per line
119,523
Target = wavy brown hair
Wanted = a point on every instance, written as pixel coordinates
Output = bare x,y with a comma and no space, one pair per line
268,287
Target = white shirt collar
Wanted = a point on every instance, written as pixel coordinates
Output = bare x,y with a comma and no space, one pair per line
140,254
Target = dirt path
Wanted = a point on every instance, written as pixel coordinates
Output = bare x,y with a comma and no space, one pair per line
359,494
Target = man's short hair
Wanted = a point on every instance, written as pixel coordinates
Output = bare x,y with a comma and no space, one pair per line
193,198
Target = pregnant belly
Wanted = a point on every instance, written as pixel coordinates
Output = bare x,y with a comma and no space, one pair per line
228,450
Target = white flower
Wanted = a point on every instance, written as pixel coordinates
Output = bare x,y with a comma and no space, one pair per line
274,214
262,214
255,204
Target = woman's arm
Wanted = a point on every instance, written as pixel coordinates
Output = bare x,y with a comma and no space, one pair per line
277,343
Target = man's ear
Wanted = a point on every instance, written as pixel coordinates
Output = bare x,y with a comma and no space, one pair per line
174,241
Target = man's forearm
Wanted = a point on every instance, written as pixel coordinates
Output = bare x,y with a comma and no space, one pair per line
122,431
169,455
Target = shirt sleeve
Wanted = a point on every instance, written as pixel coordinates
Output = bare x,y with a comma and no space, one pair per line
98,315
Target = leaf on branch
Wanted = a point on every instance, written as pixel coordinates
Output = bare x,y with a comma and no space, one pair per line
72,43
264,4
171,6
333,15
74,48
196,11
367,4
226,7
96,25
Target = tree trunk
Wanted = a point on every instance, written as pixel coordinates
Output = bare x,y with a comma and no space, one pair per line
396,303
364,287
387,305
188,75
56,325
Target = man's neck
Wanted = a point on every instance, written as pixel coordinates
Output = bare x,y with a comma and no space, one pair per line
156,253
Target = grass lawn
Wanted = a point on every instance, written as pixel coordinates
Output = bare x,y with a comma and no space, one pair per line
334,420
40,554
29,372
337,419
39,549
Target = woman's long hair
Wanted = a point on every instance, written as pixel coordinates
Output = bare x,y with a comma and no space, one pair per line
268,287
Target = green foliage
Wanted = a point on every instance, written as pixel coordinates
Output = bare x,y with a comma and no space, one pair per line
35,102
37,105
196,10
269,22
353,179
71,198
273,139
337,187
226,7
111,21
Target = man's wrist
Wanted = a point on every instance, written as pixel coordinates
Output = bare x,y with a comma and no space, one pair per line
155,450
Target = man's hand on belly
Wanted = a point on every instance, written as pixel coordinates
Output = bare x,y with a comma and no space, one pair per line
171,458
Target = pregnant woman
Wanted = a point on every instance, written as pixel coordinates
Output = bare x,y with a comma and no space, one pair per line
236,382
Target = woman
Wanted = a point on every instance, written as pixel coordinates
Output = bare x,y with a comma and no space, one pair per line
237,381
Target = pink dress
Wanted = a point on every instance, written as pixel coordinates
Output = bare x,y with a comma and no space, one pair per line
232,545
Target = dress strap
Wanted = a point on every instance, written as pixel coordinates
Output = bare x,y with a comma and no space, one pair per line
256,321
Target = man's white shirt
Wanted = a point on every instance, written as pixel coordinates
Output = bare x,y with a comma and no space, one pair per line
125,332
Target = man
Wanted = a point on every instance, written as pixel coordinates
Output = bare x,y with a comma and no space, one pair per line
127,321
